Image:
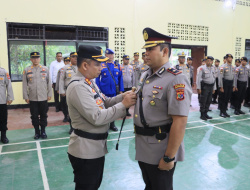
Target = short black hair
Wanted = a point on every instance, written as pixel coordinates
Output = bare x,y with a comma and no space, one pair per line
58,53
166,45
80,60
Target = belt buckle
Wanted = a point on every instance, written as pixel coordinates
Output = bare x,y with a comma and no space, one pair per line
160,136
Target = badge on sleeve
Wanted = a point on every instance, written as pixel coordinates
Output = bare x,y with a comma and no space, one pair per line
88,81
179,86
180,95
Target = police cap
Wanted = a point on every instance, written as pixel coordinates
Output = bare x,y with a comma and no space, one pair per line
153,38
229,55
125,57
181,54
66,59
91,52
217,60
209,57
73,54
244,59
143,53
109,51
34,55
237,60
136,53
189,59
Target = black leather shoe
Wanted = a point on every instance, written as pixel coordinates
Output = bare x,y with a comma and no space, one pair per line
246,105
43,135
57,109
5,140
241,112
65,119
113,127
128,114
209,110
222,115
215,102
207,116
37,136
203,117
226,114
236,112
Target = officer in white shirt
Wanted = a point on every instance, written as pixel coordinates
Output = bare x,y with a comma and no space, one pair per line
54,67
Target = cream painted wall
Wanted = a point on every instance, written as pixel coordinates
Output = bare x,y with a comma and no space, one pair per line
134,15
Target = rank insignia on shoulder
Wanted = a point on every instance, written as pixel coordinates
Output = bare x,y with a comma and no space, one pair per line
88,81
179,86
173,71
200,69
101,107
161,71
158,87
180,95
93,91
99,101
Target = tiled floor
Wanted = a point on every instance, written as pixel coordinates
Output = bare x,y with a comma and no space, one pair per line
217,156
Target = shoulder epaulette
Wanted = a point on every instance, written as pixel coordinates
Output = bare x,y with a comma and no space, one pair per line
174,71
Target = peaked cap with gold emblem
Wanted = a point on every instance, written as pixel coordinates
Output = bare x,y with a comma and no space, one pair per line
91,52
153,38
34,55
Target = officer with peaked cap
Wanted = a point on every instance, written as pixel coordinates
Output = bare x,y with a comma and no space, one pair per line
206,87
160,116
63,99
184,68
128,76
110,80
67,73
240,84
226,78
216,70
91,112
37,91
6,98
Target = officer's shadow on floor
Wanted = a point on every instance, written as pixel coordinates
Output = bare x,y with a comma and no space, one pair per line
227,157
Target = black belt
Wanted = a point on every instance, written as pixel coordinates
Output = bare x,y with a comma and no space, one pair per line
159,132
93,136
243,82
208,84
225,80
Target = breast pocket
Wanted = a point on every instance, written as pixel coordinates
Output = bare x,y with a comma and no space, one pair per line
30,77
43,76
206,75
105,73
155,100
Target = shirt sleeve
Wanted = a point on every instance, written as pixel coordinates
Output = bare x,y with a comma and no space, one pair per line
199,78
61,82
10,95
120,78
88,108
220,79
25,85
51,70
49,86
179,96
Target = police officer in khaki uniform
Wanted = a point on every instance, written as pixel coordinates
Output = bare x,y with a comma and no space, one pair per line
234,97
142,67
5,99
128,76
135,63
189,63
226,78
206,87
67,73
63,103
184,68
240,84
160,117
37,91
91,112
216,70
203,62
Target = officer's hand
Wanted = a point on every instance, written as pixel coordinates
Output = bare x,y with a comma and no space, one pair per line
125,93
192,85
199,91
27,101
129,100
233,89
222,90
120,92
213,91
9,102
49,98
165,166
236,89
57,91
63,95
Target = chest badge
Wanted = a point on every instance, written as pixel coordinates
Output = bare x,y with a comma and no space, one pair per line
155,92
152,103
158,87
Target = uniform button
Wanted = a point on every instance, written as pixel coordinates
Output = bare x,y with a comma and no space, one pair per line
141,98
153,96
136,115
147,81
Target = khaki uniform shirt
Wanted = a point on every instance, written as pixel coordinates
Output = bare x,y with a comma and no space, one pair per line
164,94
185,70
191,71
67,73
241,74
58,79
136,70
91,114
226,72
5,86
216,70
206,75
141,69
36,83
128,76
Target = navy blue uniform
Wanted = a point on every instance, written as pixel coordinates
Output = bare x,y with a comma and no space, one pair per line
105,81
